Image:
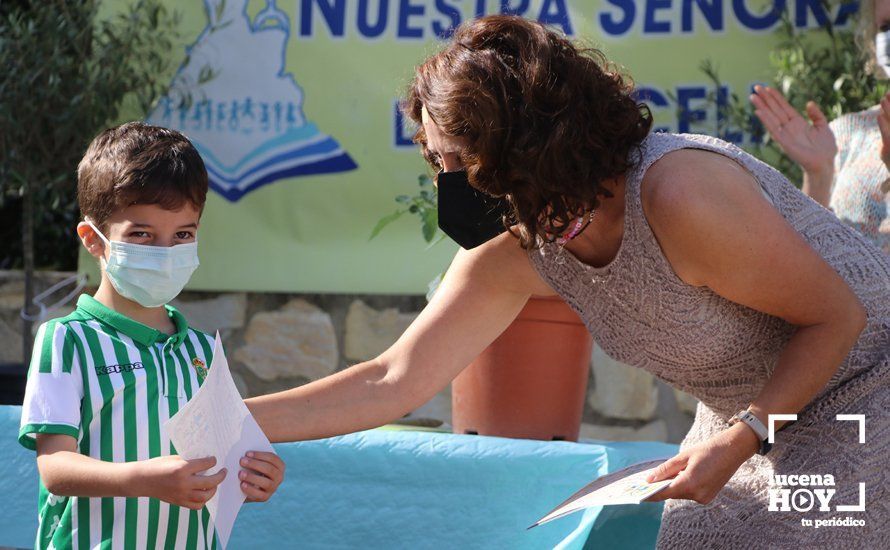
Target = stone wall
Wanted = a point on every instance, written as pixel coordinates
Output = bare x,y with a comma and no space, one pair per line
277,341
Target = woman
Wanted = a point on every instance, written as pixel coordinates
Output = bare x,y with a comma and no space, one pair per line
684,256
845,163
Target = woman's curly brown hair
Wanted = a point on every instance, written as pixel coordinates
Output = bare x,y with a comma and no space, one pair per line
546,121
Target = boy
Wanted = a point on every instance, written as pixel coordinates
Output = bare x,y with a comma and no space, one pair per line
104,379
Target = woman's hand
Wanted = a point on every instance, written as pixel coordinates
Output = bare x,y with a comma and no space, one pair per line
261,476
810,144
703,469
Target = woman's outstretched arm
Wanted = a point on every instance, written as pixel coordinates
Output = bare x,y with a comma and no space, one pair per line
483,291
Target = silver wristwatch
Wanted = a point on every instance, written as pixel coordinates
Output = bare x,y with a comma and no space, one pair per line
755,424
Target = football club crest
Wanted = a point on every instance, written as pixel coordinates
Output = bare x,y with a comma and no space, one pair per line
200,368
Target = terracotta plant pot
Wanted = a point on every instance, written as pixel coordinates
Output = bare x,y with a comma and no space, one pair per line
531,382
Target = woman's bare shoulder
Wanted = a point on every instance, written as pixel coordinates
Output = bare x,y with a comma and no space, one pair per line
692,175
687,196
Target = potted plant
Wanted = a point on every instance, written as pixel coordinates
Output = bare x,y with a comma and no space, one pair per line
531,382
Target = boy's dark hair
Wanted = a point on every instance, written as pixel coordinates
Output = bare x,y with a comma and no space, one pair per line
137,163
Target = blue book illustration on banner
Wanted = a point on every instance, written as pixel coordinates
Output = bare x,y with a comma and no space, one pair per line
244,113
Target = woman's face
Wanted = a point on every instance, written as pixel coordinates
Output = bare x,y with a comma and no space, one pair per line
445,148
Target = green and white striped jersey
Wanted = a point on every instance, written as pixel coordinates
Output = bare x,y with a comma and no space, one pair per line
111,383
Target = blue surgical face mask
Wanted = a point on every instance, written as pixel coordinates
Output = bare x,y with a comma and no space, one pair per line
882,49
149,275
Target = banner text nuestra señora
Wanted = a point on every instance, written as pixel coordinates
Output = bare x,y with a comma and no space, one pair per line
430,19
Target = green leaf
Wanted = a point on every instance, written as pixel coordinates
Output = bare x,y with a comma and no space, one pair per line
384,221
430,224
442,237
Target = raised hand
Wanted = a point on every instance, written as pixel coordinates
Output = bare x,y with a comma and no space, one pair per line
811,143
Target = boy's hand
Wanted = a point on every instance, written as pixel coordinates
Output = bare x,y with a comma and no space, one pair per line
178,481
261,476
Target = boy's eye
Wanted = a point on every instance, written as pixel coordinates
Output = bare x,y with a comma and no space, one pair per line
184,235
138,234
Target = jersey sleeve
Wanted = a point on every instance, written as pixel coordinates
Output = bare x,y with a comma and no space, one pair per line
55,386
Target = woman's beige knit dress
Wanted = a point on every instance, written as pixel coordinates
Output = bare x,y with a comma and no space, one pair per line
721,352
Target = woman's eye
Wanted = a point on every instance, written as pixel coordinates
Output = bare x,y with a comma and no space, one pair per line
184,235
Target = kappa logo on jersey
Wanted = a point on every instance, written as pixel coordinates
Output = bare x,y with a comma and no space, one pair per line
113,369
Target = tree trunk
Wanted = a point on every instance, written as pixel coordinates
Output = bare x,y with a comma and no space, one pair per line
28,260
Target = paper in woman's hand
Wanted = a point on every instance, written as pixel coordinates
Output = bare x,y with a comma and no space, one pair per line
626,486
217,423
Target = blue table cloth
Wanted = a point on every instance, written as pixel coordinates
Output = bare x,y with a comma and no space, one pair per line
404,489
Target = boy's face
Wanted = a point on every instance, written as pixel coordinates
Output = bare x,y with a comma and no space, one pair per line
146,224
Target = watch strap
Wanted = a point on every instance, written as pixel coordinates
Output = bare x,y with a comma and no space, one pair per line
757,426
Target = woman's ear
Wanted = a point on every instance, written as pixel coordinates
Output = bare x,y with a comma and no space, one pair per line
90,240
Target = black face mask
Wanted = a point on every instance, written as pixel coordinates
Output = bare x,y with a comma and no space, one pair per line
466,215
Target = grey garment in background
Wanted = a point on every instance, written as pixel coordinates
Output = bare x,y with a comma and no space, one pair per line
860,194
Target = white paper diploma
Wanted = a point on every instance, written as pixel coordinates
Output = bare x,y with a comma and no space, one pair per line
216,422
626,486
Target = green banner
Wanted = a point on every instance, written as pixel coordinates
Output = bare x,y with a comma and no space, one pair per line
293,107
